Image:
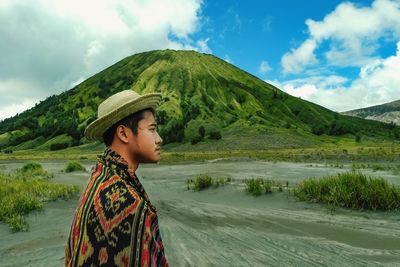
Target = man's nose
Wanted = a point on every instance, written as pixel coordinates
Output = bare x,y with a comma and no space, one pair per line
159,140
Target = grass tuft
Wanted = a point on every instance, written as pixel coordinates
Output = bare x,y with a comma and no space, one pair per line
33,169
204,181
74,166
351,190
258,186
25,191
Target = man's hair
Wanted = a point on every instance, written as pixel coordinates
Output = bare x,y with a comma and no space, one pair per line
130,121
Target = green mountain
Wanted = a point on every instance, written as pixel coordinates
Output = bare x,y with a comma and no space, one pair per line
207,104
388,112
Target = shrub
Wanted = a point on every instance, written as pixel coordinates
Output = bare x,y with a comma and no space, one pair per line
396,134
202,182
58,146
17,223
8,151
254,186
351,190
32,167
194,140
215,135
318,130
33,170
173,131
258,186
74,166
202,132
19,196
267,185
358,137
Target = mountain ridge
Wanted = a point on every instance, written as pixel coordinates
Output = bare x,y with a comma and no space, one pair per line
205,100
387,112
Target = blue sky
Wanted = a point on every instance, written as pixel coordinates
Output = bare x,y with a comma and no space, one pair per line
350,37
248,32
339,54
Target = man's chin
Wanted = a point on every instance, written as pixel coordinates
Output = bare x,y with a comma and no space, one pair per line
150,161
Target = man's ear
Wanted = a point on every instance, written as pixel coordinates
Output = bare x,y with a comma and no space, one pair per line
122,134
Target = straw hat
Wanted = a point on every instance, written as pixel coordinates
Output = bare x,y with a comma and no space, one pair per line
117,107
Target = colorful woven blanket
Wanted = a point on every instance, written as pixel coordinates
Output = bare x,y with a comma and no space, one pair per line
115,224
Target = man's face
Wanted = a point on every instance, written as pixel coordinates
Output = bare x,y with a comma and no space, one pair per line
145,146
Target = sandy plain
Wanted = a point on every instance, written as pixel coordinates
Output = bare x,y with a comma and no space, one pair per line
224,226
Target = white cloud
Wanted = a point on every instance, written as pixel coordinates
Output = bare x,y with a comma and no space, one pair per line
13,109
297,59
75,83
95,49
228,59
354,34
14,96
203,46
49,45
264,67
322,90
305,91
378,82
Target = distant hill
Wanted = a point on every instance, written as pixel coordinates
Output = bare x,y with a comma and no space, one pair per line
389,112
207,104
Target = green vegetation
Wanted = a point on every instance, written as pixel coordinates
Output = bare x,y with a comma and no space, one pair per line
204,181
34,169
207,103
25,191
258,186
215,135
58,146
74,166
221,181
351,190
337,153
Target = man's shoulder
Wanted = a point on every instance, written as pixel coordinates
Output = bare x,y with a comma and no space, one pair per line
103,172
114,186
107,185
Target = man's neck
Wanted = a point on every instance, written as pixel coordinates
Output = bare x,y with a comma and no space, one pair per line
132,164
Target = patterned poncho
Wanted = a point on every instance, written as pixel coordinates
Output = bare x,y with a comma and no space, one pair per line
115,224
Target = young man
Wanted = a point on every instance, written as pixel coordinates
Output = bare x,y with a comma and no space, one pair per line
115,224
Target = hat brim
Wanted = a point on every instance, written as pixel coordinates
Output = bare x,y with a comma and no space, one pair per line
97,128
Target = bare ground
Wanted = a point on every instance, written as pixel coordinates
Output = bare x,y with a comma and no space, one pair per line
225,226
